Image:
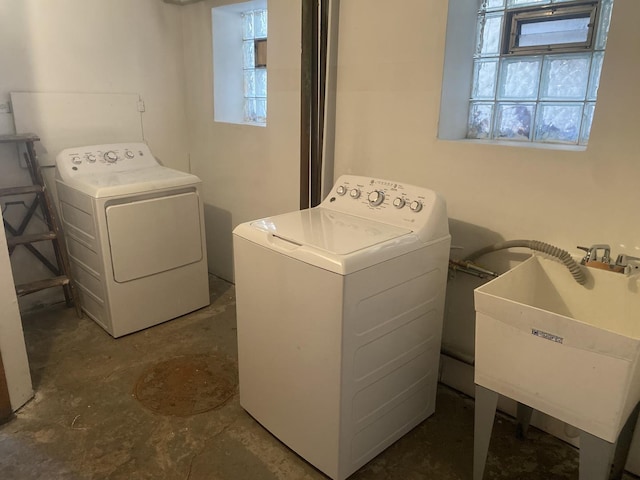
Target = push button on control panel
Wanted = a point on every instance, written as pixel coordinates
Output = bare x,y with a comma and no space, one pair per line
111,156
399,202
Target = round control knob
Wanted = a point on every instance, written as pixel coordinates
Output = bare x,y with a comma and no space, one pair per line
354,193
399,202
376,198
76,160
91,158
111,157
415,206
129,154
341,190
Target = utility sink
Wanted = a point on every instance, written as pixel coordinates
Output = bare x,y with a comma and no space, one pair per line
568,350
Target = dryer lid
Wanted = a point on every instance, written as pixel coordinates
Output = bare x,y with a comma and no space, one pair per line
112,183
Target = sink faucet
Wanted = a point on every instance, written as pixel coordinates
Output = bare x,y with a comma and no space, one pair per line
624,263
592,253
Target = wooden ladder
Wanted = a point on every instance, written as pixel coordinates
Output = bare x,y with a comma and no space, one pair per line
16,235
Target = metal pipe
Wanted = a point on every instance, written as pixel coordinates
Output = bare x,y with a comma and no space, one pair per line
315,21
306,98
459,356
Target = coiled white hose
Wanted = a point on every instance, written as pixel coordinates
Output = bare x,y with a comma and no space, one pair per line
562,255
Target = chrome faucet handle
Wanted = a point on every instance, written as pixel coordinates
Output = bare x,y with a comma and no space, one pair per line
624,259
629,263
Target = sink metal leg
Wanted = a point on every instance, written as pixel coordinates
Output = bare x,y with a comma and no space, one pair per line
524,413
596,456
623,444
484,415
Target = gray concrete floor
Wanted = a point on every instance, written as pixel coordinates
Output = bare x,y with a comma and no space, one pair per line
85,423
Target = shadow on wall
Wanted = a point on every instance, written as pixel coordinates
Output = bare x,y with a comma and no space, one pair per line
218,230
472,237
459,318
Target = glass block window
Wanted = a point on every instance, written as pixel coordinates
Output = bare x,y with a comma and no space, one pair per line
254,64
537,67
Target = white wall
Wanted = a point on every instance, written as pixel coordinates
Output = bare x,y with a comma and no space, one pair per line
248,172
12,347
96,46
101,46
390,64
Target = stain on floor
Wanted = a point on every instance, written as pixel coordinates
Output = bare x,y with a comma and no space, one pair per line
187,385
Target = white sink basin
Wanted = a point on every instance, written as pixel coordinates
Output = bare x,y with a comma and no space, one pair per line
568,350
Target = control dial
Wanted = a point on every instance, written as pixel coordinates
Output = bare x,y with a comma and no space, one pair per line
111,156
354,193
341,190
415,206
129,154
399,202
76,160
91,158
376,198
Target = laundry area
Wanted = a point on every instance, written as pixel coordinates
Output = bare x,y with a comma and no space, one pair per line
86,422
277,239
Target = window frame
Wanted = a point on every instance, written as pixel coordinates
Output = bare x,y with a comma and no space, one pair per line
515,18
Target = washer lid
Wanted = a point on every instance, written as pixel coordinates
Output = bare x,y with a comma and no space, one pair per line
109,184
332,240
331,231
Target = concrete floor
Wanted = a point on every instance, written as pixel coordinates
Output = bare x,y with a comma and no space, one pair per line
85,423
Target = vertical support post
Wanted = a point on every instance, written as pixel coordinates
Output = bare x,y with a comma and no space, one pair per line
485,411
596,456
315,20
307,75
624,444
523,414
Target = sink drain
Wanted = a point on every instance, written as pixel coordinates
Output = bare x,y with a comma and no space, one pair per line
187,385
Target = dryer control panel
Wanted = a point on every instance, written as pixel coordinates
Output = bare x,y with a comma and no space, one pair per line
420,209
107,158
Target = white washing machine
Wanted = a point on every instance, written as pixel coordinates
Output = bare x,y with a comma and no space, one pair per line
340,319
135,234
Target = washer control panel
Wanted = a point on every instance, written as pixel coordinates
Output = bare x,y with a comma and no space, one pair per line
391,202
103,159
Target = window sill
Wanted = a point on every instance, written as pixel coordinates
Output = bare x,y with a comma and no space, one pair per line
255,124
534,145
251,124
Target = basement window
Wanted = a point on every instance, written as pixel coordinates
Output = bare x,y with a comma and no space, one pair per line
537,70
525,71
254,48
239,33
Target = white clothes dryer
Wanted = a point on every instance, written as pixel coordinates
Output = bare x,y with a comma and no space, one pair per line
339,311
135,235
